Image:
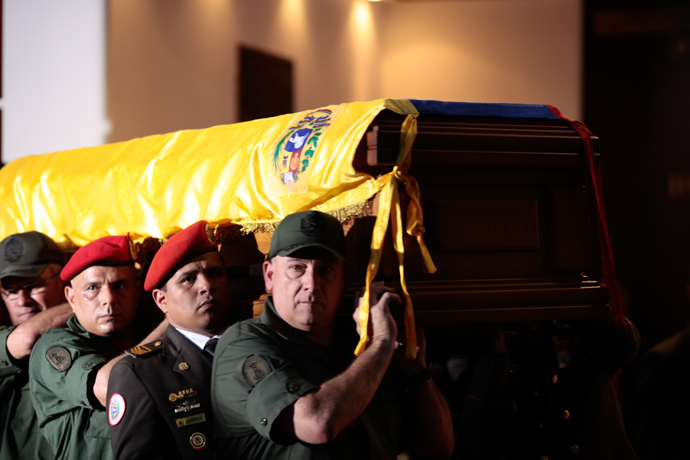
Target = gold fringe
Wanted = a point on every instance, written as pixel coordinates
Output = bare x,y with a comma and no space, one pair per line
344,214
145,247
353,211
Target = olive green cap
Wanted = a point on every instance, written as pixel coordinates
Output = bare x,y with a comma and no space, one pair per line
308,229
26,255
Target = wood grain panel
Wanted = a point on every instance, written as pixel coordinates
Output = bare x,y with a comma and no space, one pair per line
490,225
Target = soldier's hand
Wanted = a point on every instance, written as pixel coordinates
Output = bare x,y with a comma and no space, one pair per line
381,322
375,290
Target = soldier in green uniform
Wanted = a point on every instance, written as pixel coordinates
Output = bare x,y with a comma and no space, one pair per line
286,385
69,367
34,298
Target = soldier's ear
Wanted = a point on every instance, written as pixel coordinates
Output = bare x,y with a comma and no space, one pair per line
159,298
268,270
69,295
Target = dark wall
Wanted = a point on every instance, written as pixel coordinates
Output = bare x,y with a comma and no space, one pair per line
637,100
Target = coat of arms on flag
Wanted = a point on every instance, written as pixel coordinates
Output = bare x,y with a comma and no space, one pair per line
295,149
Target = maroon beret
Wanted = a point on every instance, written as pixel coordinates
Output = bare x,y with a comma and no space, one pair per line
108,251
185,245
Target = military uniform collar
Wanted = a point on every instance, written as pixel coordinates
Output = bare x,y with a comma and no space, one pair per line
197,339
75,326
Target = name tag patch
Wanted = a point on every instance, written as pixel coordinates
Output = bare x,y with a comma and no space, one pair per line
191,420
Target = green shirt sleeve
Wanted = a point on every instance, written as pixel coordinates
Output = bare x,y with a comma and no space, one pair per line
8,366
60,371
254,381
7,363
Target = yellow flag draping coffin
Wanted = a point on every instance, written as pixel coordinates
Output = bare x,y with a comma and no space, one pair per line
250,174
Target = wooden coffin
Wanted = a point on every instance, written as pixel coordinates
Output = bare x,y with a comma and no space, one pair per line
510,218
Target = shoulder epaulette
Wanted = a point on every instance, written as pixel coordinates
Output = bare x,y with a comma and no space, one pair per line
146,350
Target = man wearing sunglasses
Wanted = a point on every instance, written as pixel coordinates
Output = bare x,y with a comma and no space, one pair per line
30,265
33,296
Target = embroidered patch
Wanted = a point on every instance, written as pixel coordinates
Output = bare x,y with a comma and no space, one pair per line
255,369
313,224
198,441
14,250
146,350
59,358
116,409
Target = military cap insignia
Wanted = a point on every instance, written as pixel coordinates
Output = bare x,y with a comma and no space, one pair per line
255,369
198,441
14,250
59,358
146,350
313,224
116,409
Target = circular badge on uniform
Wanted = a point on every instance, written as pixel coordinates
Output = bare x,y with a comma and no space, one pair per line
59,358
198,441
255,369
116,409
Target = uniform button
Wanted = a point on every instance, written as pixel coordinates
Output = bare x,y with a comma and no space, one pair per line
4,361
264,422
575,448
554,379
293,387
565,414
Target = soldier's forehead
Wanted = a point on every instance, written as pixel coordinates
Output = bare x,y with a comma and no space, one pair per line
99,273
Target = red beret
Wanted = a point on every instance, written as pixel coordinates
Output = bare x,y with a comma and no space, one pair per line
108,251
187,244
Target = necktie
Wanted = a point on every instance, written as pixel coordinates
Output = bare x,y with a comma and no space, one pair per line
210,346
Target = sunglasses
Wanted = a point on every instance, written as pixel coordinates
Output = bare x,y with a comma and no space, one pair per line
30,289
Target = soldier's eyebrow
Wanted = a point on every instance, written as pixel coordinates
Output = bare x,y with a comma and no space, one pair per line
119,281
186,273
